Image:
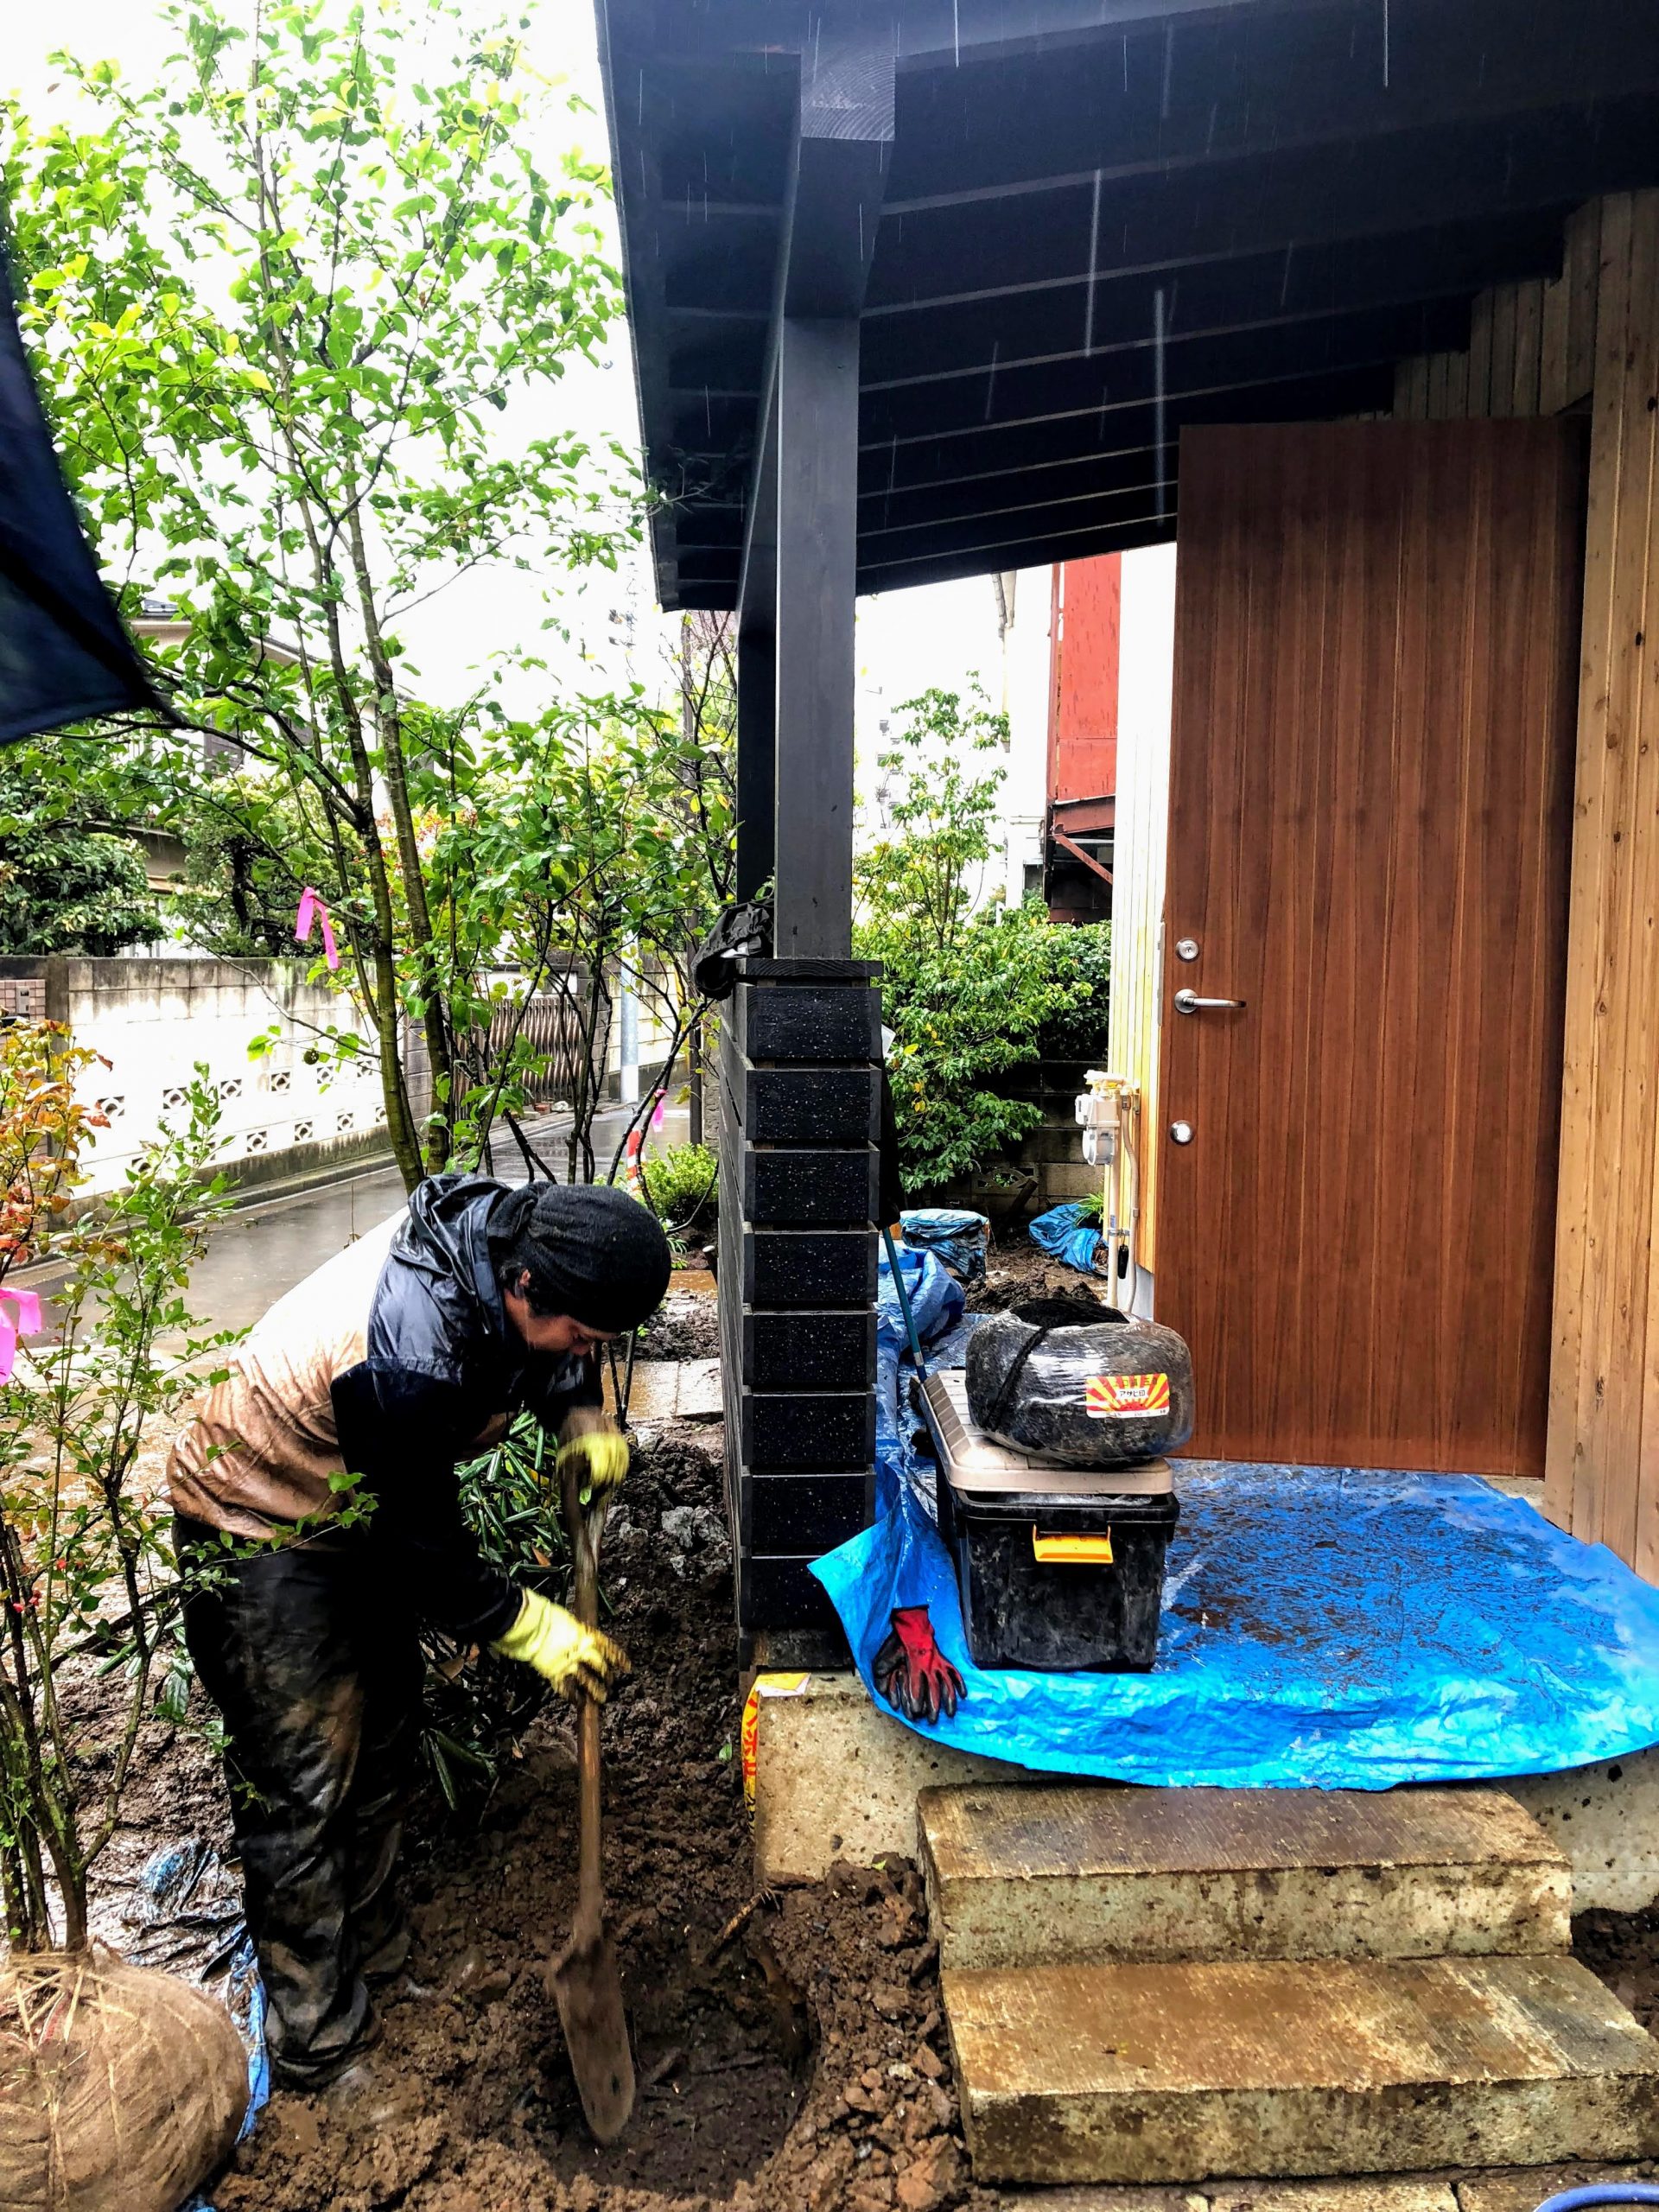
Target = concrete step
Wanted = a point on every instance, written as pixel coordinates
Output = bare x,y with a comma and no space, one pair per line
1050,1875
1515,2189
1177,2073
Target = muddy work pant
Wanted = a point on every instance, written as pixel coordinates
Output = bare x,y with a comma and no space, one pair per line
316,1672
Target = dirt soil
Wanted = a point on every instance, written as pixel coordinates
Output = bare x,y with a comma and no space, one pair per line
1622,1949
801,2063
799,2066
1017,1269
686,1326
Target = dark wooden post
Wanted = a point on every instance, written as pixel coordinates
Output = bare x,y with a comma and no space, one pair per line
818,546
801,1040
757,748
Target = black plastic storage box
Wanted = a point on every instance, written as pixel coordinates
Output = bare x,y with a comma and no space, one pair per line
1036,1591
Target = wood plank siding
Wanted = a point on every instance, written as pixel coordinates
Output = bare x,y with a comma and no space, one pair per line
1603,1446
1141,841
1598,351
1531,346
1370,827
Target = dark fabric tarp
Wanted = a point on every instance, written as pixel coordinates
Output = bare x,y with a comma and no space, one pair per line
64,655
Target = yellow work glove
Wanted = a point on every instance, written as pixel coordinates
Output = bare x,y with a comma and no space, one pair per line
561,1650
599,1457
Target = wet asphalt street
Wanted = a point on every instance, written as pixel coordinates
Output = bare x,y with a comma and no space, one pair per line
265,1248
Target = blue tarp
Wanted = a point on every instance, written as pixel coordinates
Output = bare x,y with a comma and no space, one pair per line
958,1236
1058,1231
935,1304
1329,1629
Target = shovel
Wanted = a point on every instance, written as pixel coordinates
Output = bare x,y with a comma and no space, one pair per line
583,1979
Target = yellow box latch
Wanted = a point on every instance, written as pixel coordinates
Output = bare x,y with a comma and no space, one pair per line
1073,1551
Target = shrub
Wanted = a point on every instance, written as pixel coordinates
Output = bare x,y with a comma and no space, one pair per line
478,1707
1083,966
85,1572
681,1183
964,1015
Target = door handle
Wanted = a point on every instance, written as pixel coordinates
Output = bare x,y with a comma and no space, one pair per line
1189,1002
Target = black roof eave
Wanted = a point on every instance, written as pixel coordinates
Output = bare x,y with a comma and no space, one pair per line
1298,205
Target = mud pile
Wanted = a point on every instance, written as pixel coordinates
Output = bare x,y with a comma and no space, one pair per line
799,2062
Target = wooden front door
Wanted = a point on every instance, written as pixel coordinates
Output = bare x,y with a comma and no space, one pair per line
1370,815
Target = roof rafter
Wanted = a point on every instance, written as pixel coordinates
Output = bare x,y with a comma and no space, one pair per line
1255,85
1102,220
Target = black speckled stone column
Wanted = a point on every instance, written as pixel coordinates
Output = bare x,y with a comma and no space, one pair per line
800,1051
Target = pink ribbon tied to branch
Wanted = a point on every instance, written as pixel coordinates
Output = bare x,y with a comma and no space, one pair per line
312,910
631,1175
26,1322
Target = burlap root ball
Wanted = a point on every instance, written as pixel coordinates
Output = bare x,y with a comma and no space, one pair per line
121,2089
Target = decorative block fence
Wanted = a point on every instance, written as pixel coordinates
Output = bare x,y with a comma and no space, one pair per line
153,1019
285,1119
800,1053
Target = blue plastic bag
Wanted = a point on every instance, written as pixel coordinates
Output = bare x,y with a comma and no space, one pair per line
1058,1231
959,1236
186,1915
936,1307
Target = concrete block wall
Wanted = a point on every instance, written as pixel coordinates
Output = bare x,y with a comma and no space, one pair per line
1055,1148
799,1105
153,1020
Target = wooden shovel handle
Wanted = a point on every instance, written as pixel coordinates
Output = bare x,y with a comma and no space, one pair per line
584,1530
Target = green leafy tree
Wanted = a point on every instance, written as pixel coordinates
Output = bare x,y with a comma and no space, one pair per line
248,843
926,867
279,307
590,838
971,991
66,884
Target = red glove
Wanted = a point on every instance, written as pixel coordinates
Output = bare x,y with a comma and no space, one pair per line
911,1671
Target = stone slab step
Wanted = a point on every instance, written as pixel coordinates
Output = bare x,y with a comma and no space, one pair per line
1051,1875
1514,2189
1368,2193
1174,2073
670,1390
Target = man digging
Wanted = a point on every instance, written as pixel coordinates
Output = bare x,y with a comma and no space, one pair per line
366,1387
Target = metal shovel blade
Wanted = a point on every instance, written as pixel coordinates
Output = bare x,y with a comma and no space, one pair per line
588,1990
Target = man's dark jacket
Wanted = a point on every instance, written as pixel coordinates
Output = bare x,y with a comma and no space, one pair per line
371,1381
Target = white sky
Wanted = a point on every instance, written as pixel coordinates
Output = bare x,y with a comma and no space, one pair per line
906,640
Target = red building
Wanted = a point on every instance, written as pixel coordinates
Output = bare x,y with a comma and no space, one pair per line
1085,635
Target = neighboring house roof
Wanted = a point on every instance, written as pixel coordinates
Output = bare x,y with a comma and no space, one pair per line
1100,221
171,629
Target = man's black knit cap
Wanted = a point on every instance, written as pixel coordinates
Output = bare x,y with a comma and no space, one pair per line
592,1251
